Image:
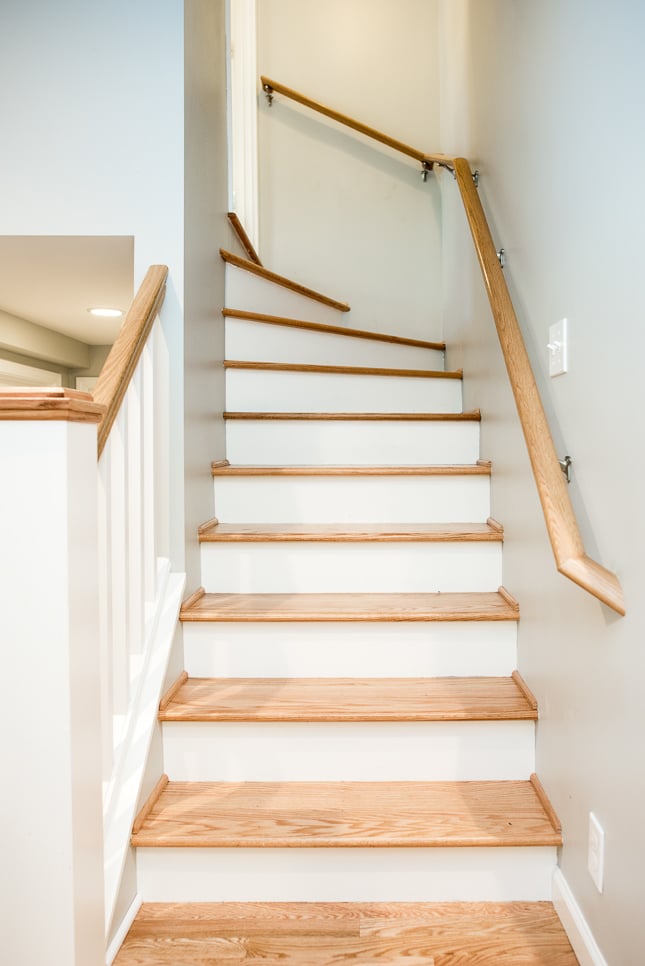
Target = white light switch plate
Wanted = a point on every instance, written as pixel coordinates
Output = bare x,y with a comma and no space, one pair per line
558,348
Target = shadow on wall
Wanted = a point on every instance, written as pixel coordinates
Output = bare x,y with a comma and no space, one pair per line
48,284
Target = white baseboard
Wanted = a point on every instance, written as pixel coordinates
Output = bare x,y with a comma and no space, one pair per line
575,924
122,931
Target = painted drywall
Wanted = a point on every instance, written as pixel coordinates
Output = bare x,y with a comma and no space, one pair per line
96,145
337,212
556,103
206,230
25,338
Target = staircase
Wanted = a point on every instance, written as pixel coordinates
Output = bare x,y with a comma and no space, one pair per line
351,726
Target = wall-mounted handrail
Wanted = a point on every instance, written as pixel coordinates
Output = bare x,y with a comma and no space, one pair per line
562,527
427,160
124,355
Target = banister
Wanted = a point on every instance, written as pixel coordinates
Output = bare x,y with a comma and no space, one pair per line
124,355
559,515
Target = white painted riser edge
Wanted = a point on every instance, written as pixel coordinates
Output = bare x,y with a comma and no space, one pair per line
262,342
352,499
346,875
251,293
349,751
318,392
348,649
320,442
309,568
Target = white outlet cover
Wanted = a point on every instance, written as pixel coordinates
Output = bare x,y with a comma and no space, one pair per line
596,852
558,347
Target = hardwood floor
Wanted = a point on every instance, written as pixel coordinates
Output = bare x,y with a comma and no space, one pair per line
313,934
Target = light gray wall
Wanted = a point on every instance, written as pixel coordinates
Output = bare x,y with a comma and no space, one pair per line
95,144
557,93
337,212
206,229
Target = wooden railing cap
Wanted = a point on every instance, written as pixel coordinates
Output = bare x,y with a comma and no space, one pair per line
49,403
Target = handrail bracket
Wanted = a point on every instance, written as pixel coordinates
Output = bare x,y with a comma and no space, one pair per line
426,169
268,90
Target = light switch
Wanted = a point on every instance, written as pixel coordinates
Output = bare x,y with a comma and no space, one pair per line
558,348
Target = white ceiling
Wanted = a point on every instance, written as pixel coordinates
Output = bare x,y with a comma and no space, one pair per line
53,280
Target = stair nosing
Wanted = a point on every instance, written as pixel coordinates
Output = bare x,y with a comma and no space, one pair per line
322,700
471,416
216,532
236,365
363,608
259,470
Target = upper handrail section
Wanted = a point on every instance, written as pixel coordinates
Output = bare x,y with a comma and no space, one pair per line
560,519
124,355
426,160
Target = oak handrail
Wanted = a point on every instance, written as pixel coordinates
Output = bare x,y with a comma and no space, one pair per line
559,515
427,160
124,355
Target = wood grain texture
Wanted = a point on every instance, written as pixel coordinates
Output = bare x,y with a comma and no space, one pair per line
125,353
472,416
50,403
331,329
150,801
446,934
176,686
243,238
347,699
346,814
350,607
248,266
345,370
559,515
546,804
476,469
526,691
271,86
349,533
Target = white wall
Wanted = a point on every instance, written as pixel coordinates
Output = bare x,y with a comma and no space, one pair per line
94,140
339,213
557,110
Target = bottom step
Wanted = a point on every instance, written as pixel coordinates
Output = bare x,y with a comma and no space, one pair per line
308,934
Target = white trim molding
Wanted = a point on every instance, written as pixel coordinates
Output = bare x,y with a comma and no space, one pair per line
243,115
123,930
575,925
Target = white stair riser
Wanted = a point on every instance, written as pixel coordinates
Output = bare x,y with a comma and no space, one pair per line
251,293
331,442
262,342
350,649
309,567
349,751
346,875
352,499
324,392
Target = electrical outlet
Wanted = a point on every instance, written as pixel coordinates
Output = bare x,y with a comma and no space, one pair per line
558,348
596,852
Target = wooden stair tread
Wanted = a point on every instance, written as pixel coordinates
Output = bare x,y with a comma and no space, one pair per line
349,532
348,699
351,607
472,416
250,266
220,468
308,933
346,814
234,364
331,329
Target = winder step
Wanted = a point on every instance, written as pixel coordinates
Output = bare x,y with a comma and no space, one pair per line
274,338
276,815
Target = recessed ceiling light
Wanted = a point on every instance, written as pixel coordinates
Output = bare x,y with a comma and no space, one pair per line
106,313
